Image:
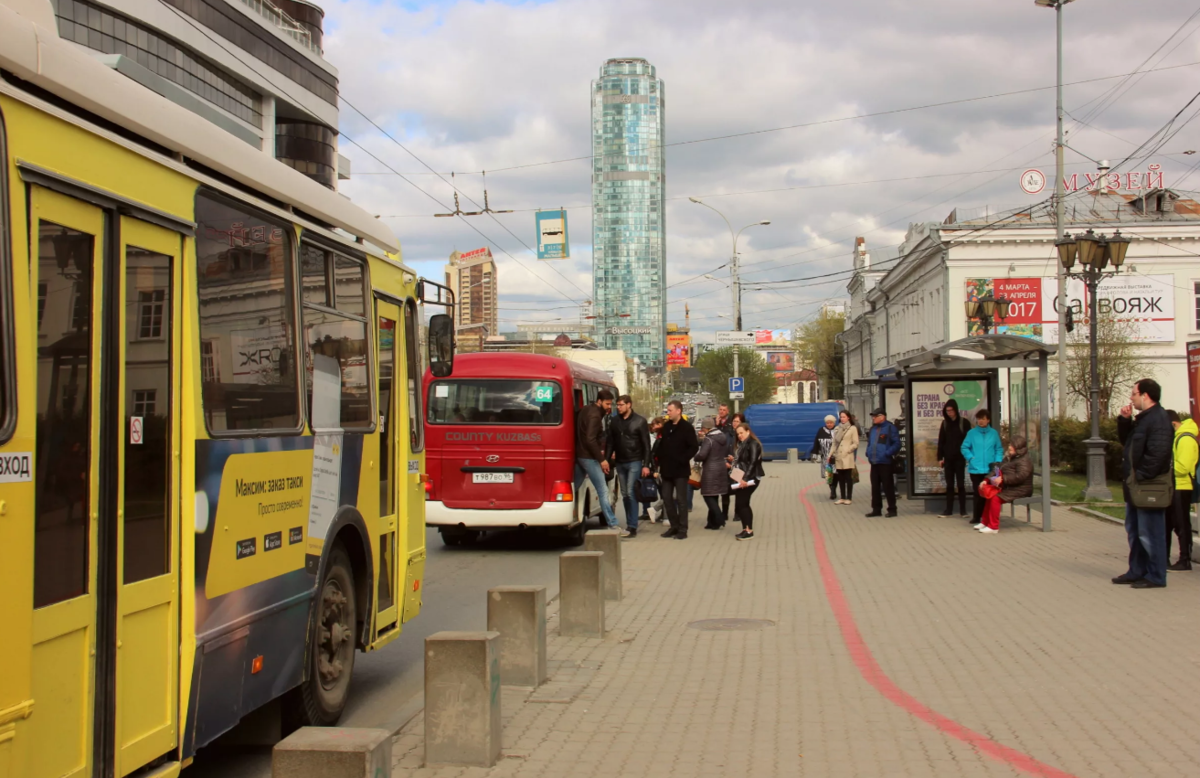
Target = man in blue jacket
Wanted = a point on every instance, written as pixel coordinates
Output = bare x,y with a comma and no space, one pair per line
883,443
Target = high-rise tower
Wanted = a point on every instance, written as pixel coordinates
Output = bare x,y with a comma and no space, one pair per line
629,245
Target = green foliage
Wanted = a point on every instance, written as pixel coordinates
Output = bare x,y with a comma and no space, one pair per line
1069,452
816,344
716,368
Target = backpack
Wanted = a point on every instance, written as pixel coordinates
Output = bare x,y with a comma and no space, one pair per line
1196,475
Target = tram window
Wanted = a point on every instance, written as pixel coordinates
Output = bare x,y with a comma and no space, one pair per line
313,279
244,268
335,341
387,440
7,368
416,430
148,372
65,262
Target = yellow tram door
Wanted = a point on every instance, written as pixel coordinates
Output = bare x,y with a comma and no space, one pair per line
391,465
147,541
408,385
105,624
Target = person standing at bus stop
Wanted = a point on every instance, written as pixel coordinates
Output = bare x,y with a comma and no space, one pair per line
591,462
630,437
883,443
981,449
951,435
674,453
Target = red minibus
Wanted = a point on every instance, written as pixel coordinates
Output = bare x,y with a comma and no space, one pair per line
500,445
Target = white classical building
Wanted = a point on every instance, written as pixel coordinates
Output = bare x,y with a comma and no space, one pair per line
912,298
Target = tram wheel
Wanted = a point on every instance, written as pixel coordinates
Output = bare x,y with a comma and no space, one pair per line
331,639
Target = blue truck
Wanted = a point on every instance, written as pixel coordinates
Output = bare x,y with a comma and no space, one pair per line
788,425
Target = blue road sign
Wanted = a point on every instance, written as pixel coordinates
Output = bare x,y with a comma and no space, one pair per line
737,384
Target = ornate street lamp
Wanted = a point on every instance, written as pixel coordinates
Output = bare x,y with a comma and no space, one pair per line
1095,253
988,309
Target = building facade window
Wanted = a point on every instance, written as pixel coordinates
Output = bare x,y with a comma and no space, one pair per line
102,30
143,402
208,362
41,309
308,147
150,314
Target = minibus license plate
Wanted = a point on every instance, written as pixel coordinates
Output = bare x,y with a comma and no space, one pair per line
491,478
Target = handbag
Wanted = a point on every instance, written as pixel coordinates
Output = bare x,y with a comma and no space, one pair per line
645,490
987,490
854,474
1153,493
694,477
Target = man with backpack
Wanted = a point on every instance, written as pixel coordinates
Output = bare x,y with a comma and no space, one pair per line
1179,516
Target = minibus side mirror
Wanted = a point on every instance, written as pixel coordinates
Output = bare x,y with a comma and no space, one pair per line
441,345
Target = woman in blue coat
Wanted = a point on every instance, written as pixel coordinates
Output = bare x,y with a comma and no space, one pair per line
982,449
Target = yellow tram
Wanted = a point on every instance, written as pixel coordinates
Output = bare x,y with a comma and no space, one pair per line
210,434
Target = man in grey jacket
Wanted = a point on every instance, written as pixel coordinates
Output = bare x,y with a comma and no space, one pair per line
1147,440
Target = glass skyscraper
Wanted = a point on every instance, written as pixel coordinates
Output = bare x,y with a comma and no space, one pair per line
629,244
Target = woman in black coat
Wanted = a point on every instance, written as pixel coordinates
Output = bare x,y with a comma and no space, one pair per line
747,459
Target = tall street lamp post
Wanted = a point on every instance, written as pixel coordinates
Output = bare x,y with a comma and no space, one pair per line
733,275
1059,195
1094,252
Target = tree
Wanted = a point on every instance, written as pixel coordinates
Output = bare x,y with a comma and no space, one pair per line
816,343
1120,361
716,368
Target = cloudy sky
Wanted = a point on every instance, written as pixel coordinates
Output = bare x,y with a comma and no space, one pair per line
471,86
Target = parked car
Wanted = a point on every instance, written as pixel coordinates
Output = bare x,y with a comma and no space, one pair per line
782,426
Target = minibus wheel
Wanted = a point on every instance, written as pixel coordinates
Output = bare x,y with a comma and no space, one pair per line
576,534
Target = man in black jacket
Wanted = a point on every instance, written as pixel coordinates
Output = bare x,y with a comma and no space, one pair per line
674,453
629,435
591,458
950,458
1147,441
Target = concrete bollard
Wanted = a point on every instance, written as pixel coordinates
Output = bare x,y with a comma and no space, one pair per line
581,594
607,541
333,752
518,613
462,699
793,456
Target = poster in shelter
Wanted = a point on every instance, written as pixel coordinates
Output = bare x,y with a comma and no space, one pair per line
928,399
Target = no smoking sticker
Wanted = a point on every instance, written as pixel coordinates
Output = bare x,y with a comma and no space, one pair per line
135,430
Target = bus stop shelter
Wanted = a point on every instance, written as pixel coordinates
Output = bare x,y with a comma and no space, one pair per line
969,370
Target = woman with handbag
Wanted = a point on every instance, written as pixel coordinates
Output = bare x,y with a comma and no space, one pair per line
1014,481
714,472
845,449
746,473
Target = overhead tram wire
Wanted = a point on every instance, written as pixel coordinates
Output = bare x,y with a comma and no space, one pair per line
451,184
869,115
366,151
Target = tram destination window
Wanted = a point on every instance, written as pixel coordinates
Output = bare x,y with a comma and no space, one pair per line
487,401
247,322
335,338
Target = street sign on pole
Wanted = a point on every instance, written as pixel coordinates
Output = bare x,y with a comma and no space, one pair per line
735,338
737,384
737,395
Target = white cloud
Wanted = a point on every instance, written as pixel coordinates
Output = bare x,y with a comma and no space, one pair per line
486,85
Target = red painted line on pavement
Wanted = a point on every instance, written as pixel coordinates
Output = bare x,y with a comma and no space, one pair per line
874,675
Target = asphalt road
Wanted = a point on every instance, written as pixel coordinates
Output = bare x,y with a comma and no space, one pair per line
386,684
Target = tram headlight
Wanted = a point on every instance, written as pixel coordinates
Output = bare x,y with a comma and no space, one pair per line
201,512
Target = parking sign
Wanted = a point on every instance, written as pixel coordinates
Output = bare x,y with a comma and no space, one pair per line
737,384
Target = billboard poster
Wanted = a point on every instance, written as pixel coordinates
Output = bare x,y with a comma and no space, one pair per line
553,242
677,351
763,336
928,398
1146,303
1193,356
782,361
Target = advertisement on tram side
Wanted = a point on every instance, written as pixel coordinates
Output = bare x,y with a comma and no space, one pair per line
928,399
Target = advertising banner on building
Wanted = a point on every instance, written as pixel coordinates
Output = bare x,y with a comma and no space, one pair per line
1193,355
782,361
928,398
763,336
678,351
553,242
1145,303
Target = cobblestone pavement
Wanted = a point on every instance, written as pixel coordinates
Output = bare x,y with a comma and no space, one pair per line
923,649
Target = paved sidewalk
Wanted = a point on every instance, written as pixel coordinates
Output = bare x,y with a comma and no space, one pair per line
925,649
